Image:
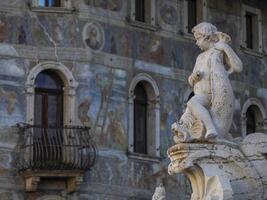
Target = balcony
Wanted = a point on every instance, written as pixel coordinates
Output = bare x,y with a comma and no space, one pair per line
62,153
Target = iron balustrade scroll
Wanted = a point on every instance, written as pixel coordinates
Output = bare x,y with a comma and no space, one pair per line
55,148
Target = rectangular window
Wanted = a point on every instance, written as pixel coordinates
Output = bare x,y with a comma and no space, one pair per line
49,3
140,10
142,14
194,12
192,15
251,29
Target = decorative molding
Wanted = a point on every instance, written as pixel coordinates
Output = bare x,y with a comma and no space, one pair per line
70,86
250,102
153,94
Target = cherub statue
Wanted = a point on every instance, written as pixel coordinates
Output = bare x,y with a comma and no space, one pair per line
160,193
209,112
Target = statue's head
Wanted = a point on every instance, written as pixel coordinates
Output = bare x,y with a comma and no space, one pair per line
205,35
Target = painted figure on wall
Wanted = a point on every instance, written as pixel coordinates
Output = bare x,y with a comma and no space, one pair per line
115,129
113,45
168,14
21,35
3,31
209,112
92,40
113,5
93,36
83,109
156,51
9,98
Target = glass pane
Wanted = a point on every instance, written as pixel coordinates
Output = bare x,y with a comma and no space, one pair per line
140,10
48,80
140,133
192,15
251,121
49,3
38,110
140,93
140,122
41,2
249,31
54,111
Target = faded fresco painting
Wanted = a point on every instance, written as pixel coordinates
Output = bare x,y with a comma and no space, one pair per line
102,105
112,5
93,36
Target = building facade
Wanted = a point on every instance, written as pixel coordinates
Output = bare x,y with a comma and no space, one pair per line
120,68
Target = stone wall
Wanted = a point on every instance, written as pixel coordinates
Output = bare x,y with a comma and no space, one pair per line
30,37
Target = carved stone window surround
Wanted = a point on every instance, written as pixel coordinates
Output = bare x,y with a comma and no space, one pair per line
70,86
258,51
247,104
151,25
153,116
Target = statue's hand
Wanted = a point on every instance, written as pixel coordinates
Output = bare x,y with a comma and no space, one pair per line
221,46
194,78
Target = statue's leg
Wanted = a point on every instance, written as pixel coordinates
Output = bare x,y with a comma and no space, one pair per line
187,119
197,104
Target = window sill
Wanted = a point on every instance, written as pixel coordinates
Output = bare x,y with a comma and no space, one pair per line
252,52
143,25
53,10
143,157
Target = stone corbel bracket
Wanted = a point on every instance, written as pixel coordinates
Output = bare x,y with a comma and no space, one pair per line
216,170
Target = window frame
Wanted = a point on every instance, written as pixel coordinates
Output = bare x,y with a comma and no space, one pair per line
258,50
153,116
152,24
65,7
201,15
69,91
252,102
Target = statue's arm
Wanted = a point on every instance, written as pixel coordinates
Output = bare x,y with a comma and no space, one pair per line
233,60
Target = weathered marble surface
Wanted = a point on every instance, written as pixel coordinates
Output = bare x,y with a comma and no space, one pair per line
223,170
210,111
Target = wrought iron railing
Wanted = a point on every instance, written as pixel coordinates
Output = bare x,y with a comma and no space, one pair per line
64,148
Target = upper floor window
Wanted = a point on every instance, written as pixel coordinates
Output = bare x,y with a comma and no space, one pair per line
48,108
140,10
143,14
49,3
194,13
52,6
251,28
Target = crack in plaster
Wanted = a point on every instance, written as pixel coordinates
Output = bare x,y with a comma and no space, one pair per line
48,36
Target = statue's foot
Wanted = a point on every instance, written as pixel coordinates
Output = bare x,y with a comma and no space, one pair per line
211,135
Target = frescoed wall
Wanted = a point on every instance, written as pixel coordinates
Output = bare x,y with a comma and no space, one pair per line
103,50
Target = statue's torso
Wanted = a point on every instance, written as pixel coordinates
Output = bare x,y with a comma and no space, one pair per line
202,65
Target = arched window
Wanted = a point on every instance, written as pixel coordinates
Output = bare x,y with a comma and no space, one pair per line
254,119
48,108
140,119
144,117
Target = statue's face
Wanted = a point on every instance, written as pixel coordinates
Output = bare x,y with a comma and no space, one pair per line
202,42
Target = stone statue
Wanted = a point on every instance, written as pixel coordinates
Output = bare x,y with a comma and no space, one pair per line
209,112
160,193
